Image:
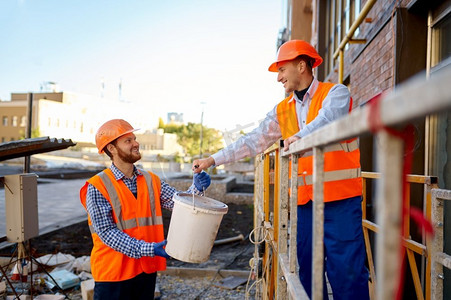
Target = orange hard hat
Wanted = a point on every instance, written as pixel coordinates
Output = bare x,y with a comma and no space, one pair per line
292,49
110,131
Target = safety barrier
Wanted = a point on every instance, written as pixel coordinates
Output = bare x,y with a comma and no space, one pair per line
422,286
275,216
439,258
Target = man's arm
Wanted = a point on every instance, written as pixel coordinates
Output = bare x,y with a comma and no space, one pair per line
334,106
251,144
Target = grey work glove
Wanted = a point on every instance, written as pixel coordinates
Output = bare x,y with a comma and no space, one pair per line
202,181
158,249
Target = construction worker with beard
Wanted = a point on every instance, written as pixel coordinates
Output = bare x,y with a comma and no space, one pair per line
124,215
310,105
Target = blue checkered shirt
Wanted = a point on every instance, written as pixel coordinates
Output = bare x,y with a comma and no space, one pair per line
100,212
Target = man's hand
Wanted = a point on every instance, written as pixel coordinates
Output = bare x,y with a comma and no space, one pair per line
202,164
158,249
288,141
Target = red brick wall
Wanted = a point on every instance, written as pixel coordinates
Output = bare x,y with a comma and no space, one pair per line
371,71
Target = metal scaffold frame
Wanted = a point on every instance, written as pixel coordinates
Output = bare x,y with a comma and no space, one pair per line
275,261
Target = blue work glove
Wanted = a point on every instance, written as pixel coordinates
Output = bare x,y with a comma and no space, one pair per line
202,181
158,249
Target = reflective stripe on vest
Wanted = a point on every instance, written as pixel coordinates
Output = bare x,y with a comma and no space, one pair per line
341,160
116,203
331,176
345,146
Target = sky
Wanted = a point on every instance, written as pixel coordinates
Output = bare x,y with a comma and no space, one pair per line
184,56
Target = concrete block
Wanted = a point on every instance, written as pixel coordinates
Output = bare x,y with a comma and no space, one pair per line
87,289
49,297
21,297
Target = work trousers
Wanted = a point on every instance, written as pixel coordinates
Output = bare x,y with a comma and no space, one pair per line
344,249
141,287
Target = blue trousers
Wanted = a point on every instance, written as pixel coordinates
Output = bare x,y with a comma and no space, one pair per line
141,287
344,249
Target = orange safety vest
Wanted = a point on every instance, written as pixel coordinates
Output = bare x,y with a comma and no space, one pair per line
139,217
341,161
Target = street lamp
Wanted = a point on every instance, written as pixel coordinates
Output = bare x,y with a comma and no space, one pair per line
201,129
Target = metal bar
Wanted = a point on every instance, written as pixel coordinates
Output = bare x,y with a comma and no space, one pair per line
415,275
27,161
366,8
357,41
318,224
275,262
388,199
341,66
408,243
412,178
266,189
369,255
406,228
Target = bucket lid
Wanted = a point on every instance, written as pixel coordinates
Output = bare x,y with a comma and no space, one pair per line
201,202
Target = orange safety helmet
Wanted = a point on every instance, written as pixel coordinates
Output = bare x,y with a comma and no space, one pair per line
292,49
110,131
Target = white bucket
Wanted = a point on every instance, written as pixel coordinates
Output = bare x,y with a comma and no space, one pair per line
193,228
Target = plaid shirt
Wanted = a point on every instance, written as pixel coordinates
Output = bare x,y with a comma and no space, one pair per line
100,212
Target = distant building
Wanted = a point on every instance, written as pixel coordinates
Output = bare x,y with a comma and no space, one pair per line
77,116
175,118
158,142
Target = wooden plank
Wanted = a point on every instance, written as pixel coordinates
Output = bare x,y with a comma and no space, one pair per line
296,290
444,259
437,245
318,224
293,213
281,292
388,205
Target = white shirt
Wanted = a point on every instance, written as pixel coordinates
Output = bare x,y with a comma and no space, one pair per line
335,105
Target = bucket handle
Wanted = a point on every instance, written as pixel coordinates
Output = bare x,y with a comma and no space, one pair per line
203,191
194,203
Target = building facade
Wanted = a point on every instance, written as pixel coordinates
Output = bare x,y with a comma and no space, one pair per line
77,117
387,43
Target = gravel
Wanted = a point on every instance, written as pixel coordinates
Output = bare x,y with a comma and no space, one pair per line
174,287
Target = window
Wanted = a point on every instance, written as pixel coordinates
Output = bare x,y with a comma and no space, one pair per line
23,121
441,45
14,121
5,121
340,15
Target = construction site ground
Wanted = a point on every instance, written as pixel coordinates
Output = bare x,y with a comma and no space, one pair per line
208,280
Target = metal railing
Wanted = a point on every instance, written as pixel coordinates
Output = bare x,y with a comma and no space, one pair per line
279,277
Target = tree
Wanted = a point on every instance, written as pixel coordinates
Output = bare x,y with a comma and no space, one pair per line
188,136
160,123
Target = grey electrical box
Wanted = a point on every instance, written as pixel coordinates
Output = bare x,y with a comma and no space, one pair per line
21,203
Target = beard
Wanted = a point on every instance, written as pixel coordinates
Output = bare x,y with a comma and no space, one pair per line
128,157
